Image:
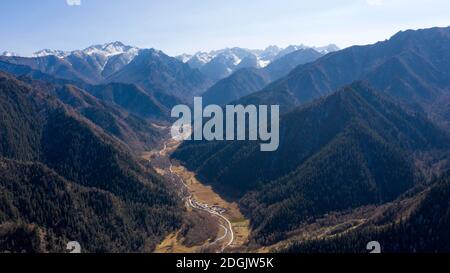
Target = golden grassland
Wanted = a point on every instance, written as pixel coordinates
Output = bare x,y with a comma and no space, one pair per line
173,243
205,194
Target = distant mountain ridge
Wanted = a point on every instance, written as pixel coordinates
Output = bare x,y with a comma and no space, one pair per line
246,81
90,64
218,64
154,70
412,66
106,50
117,62
149,69
9,54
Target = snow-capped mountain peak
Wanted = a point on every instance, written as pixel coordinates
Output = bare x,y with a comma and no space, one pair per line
327,49
105,50
50,52
221,63
104,59
236,54
111,49
184,57
204,57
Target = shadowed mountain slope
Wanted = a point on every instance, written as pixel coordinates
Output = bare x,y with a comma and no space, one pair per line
352,148
68,151
249,80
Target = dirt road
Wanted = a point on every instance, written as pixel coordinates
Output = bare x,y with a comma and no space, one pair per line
232,226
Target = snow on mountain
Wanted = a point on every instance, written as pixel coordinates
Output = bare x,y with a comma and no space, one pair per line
184,57
111,49
105,59
106,50
9,54
327,49
97,58
264,57
50,52
289,50
263,63
236,60
218,64
199,59
269,53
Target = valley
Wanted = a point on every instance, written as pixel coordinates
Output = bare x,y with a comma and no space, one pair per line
362,149
230,229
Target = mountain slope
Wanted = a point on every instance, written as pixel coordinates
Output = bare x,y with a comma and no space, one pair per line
118,115
155,71
145,104
41,211
137,132
285,64
38,127
412,65
249,80
97,61
241,83
152,70
429,219
219,64
130,98
226,61
51,65
352,148
100,61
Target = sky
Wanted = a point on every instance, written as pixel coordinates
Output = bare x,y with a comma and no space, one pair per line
188,26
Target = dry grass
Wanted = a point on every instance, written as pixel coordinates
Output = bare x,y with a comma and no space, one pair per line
205,194
148,155
174,244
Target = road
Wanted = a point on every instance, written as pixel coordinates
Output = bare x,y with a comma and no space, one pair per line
194,204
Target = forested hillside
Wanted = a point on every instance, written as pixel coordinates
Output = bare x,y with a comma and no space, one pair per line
352,148
424,231
122,110
413,66
112,202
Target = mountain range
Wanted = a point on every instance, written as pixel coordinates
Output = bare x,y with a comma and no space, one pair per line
364,148
124,110
90,65
362,126
219,64
353,148
149,69
246,81
155,72
412,66
65,177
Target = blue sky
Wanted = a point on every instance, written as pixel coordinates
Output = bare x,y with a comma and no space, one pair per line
178,26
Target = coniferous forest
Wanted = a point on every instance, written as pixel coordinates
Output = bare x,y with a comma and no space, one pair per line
86,152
